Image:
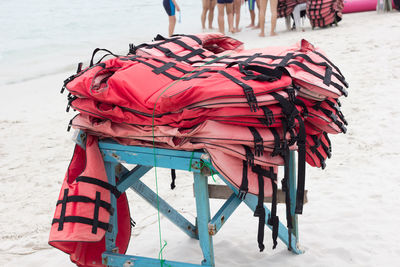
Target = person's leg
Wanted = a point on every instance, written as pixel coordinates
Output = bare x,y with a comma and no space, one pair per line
273,4
263,9
258,7
211,13
204,13
237,6
296,17
172,22
229,12
221,26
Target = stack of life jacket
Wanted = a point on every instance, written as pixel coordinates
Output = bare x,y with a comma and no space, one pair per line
246,108
323,13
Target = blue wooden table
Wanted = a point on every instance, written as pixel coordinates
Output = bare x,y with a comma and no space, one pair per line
198,162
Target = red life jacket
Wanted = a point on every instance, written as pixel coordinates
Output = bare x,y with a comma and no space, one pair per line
318,149
83,209
324,13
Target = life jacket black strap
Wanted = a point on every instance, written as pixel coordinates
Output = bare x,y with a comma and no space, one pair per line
260,211
94,222
266,74
173,178
163,68
197,52
244,187
107,206
301,174
113,189
77,219
285,60
63,209
277,142
96,213
269,116
273,220
248,91
258,141
197,74
194,37
97,50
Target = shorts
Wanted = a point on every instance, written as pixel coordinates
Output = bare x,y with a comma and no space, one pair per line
225,1
169,7
252,4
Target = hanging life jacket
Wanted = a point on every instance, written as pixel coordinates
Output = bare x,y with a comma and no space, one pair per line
83,209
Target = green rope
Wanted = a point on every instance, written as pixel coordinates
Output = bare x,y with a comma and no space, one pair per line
160,254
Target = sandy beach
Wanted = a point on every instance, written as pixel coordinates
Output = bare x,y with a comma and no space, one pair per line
351,218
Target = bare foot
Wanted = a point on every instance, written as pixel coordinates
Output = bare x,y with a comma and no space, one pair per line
238,29
232,31
261,34
250,26
273,34
256,27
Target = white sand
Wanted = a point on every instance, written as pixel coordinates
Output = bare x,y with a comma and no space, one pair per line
352,216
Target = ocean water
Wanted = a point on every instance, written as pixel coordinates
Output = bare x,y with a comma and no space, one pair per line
41,37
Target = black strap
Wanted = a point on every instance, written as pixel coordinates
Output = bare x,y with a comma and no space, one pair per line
273,220
77,219
197,52
63,209
269,116
97,50
260,212
194,37
266,74
244,187
96,213
248,91
197,74
301,174
107,206
163,68
173,178
285,60
113,189
258,142
277,142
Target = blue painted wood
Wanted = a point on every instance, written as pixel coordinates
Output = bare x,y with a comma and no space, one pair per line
203,218
129,177
111,259
168,211
111,236
114,153
151,159
223,214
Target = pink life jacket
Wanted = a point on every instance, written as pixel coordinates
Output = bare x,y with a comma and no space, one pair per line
189,48
308,66
128,86
229,138
323,13
83,209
